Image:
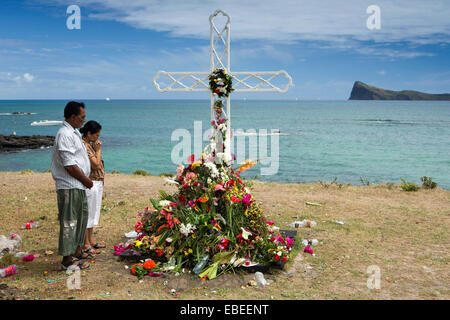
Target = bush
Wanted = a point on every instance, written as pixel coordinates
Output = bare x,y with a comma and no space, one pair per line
166,174
409,186
428,183
115,172
142,172
365,182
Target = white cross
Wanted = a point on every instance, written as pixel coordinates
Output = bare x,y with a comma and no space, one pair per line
199,81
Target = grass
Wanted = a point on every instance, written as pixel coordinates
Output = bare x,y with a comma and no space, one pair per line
404,233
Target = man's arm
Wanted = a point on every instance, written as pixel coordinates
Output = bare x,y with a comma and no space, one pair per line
75,172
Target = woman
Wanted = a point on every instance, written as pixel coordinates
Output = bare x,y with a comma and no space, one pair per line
91,132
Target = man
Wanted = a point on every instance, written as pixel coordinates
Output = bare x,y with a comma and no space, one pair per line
70,169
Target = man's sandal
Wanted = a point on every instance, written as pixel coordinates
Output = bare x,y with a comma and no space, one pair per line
74,263
85,255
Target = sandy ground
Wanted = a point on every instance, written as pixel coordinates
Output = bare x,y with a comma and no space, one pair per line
402,234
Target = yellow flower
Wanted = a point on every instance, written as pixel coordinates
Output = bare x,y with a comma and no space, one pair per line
195,164
138,243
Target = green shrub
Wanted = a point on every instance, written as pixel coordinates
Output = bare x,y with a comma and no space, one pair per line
166,174
115,171
365,182
142,172
409,186
428,183
26,171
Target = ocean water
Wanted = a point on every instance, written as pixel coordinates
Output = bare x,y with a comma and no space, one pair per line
380,141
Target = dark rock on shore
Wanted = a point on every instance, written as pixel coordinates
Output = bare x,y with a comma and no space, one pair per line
362,91
17,143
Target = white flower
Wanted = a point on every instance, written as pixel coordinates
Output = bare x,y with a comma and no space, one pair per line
245,234
164,203
186,229
279,253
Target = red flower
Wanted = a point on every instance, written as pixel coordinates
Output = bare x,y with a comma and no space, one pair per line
159,252
284,259
182,198
235,199
191,158
276,257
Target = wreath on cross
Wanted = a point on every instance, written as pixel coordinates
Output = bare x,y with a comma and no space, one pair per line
220,83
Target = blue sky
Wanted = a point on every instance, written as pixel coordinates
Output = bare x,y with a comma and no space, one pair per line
324,45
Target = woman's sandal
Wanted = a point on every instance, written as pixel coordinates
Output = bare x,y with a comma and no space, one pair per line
91,250
99,246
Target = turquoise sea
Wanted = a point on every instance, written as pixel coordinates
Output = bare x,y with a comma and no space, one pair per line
380,141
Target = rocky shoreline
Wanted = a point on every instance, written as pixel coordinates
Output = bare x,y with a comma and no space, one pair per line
13,143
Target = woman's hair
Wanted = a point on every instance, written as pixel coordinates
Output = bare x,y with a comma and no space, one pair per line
90,126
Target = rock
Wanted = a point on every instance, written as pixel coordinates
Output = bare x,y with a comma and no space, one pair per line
362,91
17,143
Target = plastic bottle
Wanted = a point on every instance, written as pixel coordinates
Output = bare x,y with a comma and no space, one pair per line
199,266
8,271
30,225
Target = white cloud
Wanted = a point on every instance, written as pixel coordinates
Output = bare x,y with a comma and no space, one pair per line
28,77
381,72
414,21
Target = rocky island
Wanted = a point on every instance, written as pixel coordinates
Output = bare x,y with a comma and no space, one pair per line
362,91
17,143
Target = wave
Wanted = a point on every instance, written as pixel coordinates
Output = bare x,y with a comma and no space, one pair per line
17,114
260,134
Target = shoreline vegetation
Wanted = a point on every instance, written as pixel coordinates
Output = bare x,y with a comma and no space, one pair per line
404,233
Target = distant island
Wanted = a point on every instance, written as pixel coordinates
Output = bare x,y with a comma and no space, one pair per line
362,91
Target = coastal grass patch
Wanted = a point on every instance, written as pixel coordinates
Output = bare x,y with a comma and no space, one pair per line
404,233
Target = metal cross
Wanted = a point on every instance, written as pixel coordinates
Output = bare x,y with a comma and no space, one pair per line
199,81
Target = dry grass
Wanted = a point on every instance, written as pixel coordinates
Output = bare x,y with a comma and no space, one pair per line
404,233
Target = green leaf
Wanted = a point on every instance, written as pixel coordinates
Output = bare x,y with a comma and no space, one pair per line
223,257
211,271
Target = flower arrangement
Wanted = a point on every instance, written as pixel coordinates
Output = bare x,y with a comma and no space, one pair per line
212,223
211,214
220,83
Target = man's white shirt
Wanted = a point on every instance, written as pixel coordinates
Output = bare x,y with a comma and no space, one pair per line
69,150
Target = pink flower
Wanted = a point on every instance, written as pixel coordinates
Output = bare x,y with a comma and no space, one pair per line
219,186
308,250
223,243
180,170
290,241
189,177
270,222
138,226
246,200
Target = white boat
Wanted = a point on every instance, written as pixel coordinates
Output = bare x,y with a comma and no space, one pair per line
46,123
